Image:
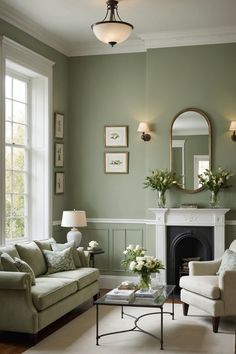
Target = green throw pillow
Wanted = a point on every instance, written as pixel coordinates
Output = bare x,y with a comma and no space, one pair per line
32,255
63,246
228,262
8,263
25,268
59,261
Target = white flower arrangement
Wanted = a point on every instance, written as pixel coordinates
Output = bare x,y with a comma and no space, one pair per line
93,244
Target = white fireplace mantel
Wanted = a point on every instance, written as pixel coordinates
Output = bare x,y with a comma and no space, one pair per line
188,217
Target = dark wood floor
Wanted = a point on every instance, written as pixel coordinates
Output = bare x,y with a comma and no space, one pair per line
17,343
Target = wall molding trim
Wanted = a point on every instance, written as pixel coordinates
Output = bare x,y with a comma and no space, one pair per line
128,221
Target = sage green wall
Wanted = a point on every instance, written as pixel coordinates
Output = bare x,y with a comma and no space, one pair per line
60,92
152,86
106,90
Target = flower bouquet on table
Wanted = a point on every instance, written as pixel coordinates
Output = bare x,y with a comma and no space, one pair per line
214,181
160,181
93,246
137,262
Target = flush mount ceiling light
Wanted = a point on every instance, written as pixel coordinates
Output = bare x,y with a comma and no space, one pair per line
112,29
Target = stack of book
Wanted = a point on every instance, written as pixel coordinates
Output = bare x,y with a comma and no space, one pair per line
120,295
146,295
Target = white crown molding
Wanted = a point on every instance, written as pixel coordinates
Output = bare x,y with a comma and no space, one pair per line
99,48
33,29
188,37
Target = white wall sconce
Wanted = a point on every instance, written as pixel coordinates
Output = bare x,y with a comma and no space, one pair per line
232,128
74,219
144,129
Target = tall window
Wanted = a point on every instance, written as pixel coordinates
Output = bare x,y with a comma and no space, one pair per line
25,147
17,156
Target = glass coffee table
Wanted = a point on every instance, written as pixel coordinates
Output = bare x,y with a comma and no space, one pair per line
157,303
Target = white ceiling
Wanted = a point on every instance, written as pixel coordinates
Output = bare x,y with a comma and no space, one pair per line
66,24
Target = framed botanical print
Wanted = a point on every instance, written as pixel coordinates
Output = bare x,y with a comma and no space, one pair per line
59,126
116,162
59,182
116,136
59,155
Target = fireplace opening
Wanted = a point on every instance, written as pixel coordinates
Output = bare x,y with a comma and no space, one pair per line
185,244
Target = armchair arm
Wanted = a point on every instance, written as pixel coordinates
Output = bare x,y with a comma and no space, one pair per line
227,285
204,268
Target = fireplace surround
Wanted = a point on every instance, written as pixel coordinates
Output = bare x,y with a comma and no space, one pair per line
213,219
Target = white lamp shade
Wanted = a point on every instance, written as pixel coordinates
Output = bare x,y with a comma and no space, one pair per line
74,218
113,31
143,127
232,125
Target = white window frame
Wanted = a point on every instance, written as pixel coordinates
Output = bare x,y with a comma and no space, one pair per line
196,160
40,69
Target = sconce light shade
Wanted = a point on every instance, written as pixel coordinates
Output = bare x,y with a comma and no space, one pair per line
233,129
74,219
112,29
144,129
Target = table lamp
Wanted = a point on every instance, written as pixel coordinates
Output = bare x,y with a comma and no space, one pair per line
74,219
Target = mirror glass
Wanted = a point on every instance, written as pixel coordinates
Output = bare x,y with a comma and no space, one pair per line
190,147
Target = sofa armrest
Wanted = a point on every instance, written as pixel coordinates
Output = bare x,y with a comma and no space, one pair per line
14,280
227,285
84,257
204,267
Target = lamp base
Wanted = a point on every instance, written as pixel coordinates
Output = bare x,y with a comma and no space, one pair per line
74,235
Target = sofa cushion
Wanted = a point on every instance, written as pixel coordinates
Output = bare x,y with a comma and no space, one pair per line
25,268
228,262
63,246
45,244
83,276
204,285
32,255
59,260
8,263
11,250
48,291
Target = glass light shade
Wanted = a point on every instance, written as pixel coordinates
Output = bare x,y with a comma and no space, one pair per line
232,125
112,32
74,218
143,127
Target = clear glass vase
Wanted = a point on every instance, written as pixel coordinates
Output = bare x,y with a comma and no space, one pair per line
144,281
161,199
214,201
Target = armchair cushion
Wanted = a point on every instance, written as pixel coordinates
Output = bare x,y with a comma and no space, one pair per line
207,286
228,262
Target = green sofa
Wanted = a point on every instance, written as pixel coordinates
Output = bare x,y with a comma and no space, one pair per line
29,308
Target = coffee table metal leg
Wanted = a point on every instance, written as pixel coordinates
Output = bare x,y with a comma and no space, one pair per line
122,312
161,328
97,336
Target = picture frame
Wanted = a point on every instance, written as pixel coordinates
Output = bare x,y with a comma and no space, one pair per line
116,162
59,182
116,135
59,126
59,155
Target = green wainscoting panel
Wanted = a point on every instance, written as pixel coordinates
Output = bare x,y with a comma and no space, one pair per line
230,234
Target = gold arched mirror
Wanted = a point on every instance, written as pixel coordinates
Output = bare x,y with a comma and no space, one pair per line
190,147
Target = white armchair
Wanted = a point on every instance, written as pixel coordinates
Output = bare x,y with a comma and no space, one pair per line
212,293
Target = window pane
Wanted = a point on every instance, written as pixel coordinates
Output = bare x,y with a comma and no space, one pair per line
8,228
8,133
18,227
8,86
19,90
18,159
19,112
18,182
8,205
8,182
8,158
19,134
8,110
18,205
